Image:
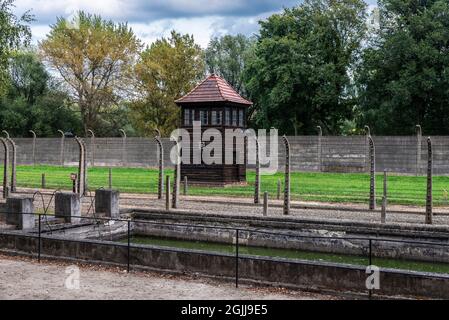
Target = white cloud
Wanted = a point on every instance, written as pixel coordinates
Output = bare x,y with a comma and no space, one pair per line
152,19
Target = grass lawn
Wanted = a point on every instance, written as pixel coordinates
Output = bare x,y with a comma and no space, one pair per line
326,187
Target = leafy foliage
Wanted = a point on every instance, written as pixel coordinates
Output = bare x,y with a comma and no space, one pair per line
166,71
14,32
404,77
94,57
300,76
227,57
34,102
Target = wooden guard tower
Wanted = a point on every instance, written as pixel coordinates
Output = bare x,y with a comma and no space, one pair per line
217,105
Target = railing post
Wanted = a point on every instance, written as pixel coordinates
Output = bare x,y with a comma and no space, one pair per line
370,292
370,252
39,241
237,258
43,181
185,186
129,245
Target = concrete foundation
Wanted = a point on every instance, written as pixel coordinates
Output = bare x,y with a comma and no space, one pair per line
68,207
107,202
20,213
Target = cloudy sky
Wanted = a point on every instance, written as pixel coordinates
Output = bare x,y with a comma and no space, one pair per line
152,19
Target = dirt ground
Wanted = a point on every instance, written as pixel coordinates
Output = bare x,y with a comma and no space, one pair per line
22,278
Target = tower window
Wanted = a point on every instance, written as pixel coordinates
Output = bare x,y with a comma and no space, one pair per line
228,117
216,117
204,116
234,117
187,117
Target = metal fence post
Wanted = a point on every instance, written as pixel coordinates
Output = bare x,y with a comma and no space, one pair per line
237,258
39,241
129,245
370,292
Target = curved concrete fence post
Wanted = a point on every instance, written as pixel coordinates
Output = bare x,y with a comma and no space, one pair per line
429,198
418,149
372,189
5,168
257,179
13,160
319,148
85,169
287,177
124,137
367,135
160,146
81,181
34,147
384,200
177,179
92,147
61,148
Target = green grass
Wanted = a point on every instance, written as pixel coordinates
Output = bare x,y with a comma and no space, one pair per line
326,187
295,254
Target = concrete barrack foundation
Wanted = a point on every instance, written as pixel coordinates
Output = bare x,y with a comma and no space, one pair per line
68,207
20,212
107,202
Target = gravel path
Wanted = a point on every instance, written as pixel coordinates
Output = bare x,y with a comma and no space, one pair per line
22,278
237,206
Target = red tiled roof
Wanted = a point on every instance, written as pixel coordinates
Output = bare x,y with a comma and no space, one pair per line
213,89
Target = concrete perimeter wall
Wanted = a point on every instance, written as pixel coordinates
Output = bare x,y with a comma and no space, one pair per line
333,154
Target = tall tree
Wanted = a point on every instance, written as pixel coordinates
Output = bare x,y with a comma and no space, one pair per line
226,57
404,78
167,70
300,75
34,101
94,57
14,32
